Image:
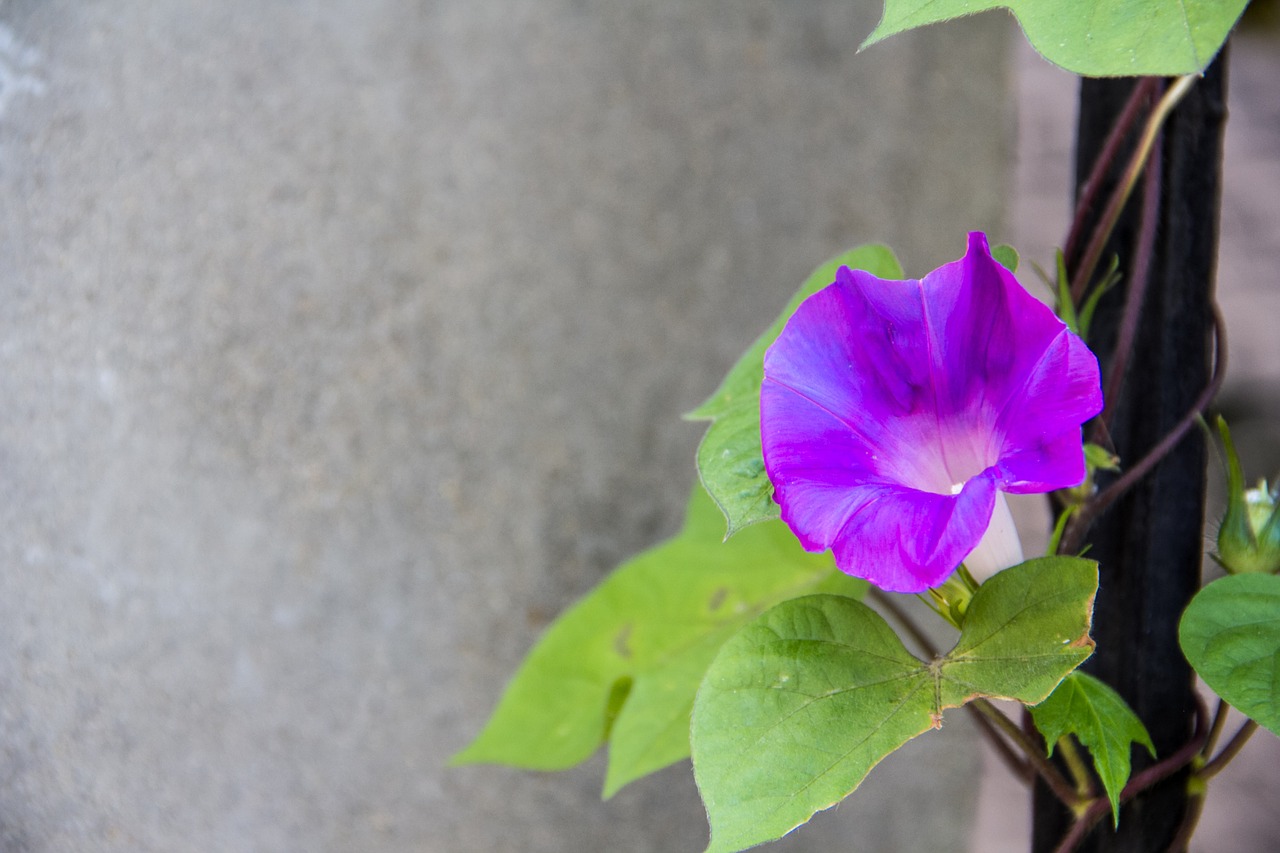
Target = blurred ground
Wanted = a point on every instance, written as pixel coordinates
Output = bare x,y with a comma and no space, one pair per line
1239,816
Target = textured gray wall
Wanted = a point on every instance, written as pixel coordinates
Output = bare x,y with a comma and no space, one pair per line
342,344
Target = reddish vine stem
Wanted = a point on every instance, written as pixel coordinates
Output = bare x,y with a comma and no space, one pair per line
1120,196
1152,775
1139,100
1079,524
1230,751
1195,805
1017,766
1021,770
1215,730
1052,777
1195,802
1136,295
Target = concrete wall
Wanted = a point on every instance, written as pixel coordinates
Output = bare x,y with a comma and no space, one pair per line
343,344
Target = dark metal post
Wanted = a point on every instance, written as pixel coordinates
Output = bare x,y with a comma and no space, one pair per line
1149,543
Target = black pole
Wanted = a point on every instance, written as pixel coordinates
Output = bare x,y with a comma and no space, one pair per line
1149,543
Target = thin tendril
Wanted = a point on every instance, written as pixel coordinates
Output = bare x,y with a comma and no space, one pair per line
1138,99
1048,772
1079,525
1230,751
1136,292
1111,214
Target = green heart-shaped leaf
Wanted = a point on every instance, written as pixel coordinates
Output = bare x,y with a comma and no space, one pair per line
804,701
1230,633
1099,38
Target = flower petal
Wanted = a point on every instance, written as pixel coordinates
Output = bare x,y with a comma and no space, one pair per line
856,352
900,539
1009,371
1041,421
883,399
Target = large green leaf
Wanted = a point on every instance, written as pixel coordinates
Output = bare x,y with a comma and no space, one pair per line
623,663
1231,635
1085,707
800,705
1098,38
729,458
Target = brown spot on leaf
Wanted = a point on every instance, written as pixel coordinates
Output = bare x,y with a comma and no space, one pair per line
620,642
718,598
1084,641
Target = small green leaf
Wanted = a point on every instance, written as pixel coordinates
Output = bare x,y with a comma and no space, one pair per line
730,462
1006,256
1102,721
1063,305
1099,38
1109,279
623,663
803,702
1231,635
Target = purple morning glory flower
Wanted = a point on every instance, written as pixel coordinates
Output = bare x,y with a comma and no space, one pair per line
894,413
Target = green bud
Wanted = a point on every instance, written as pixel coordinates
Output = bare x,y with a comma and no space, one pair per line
1249,538
1260,503
1096,459
951,597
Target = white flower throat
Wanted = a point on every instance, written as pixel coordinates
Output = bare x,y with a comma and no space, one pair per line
999,548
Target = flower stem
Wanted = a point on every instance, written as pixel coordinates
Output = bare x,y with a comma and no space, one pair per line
1079,771
1059,527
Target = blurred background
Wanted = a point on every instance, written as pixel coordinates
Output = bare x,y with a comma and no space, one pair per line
343,344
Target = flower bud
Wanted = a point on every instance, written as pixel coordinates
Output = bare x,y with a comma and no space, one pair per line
1096,459
1249,538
